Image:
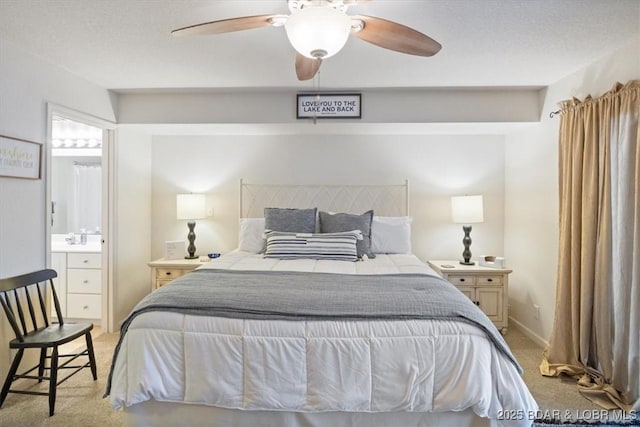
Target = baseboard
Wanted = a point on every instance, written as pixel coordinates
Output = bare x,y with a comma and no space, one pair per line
541,342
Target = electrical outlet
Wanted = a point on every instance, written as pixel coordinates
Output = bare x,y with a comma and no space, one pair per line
536,313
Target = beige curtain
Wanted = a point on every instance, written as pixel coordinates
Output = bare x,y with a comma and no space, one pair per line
596,334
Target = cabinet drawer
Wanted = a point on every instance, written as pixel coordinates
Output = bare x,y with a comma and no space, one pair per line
84,281
84,306
170,273
461,279
489,280
81,260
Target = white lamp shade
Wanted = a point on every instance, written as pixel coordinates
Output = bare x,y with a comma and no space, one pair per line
318,32
467,209
191,206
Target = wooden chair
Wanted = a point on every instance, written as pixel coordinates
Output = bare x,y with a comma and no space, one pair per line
28,291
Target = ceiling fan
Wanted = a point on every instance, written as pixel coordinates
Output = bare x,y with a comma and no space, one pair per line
318,29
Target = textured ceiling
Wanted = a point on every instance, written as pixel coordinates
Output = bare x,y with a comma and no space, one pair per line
126,44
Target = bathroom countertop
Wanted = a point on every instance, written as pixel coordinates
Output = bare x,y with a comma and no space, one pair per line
90,247
94,244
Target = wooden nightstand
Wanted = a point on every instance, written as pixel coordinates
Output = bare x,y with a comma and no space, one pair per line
163,271
487,287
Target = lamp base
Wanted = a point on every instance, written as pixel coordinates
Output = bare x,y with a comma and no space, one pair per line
191,249
466,241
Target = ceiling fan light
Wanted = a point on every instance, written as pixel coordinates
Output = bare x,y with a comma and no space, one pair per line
318,32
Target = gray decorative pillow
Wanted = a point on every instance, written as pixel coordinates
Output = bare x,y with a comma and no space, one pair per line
334,223
291,220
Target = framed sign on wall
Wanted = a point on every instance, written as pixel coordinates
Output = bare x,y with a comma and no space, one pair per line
20,158
329,106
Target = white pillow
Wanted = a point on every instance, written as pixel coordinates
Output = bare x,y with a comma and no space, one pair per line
391,235
251,238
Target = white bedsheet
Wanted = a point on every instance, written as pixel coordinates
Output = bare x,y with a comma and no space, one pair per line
317,366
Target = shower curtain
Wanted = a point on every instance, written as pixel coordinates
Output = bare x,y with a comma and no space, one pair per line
87,198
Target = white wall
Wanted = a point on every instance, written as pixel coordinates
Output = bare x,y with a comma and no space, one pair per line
438,166
396,105
131,278
531,191
26,85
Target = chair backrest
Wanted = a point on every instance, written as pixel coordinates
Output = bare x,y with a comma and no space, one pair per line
20,291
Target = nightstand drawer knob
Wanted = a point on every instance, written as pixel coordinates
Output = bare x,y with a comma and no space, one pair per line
168,273
489,279
462,279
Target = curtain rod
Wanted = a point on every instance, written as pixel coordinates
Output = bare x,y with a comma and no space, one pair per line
554,113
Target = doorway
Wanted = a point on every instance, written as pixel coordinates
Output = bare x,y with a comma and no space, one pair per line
78,217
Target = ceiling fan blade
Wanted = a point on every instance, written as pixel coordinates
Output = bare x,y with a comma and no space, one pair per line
306,68
394,36
225,25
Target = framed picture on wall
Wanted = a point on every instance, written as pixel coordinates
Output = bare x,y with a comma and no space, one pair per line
20,158
329,105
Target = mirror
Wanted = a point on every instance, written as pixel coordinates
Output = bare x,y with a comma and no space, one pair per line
76,194
76,177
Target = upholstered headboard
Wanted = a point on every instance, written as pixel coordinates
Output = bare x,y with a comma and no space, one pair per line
385,200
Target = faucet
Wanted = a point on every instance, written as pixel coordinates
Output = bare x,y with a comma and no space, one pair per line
71,238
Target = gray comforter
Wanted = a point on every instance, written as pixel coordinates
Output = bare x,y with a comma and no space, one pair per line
314,296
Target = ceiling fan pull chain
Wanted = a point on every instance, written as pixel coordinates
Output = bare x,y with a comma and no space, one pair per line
316,89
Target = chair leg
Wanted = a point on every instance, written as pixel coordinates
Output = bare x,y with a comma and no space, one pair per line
41,366
53,380
92,358
12,371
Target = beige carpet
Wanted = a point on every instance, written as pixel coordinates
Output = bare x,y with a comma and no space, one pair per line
551,393
80,403
79,400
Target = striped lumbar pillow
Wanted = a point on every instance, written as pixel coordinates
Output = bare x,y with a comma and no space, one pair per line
333,246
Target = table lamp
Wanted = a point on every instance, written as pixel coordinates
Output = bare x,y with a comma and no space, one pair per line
191,207
467,210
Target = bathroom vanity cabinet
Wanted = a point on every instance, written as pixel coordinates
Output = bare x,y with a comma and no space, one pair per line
79,282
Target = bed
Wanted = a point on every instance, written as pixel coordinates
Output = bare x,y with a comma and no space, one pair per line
263,337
